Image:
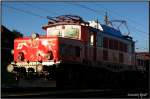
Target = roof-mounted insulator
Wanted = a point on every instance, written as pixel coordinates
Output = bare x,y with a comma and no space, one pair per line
66,18
106,19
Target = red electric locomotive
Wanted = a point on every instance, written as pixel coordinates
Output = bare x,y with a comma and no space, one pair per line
69,47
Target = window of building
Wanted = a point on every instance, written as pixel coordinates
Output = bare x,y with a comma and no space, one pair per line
138,61
115,44
120,46
121,58
129,48
141,62
125,47
54,32
71,32
105,42
130,57
105,55
132,47
111,44
99,40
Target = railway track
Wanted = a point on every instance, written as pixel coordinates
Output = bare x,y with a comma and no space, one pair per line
69,93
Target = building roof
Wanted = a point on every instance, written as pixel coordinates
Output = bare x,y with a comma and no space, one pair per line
5,30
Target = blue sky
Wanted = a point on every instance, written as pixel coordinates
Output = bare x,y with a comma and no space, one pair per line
135,13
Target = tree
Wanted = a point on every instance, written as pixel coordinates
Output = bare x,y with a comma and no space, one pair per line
17,33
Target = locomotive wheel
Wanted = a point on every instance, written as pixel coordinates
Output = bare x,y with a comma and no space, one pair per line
46,75
49,72
16,76
30,73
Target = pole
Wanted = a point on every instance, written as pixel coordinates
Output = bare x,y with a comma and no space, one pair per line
106,19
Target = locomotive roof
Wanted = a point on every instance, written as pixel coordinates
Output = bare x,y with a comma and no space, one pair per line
74,19
113,32
65,19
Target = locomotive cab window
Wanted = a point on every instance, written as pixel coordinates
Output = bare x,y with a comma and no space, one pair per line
54,32
99,40
71,32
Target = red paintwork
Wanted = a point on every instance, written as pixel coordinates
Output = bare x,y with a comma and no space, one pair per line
84,33
90,53
31,48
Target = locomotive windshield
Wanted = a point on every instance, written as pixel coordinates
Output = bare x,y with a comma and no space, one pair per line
69,31
72,32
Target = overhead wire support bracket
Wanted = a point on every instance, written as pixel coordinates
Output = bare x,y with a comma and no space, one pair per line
121,22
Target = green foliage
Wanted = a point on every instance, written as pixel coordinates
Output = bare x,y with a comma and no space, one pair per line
17,33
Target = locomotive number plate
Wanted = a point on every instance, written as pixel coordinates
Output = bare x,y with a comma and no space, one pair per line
27,64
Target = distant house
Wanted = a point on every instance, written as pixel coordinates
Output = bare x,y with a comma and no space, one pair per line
142,60
7,44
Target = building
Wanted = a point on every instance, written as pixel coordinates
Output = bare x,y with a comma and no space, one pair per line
7,44
142,60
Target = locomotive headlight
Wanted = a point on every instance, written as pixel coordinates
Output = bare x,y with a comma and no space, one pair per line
34,35
10,68
12,51
39,68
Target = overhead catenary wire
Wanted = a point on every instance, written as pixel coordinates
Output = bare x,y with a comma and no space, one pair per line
83,6
126,18
86,7
97,11
112,11
39,8
32,13
139,30
42,9
25,11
